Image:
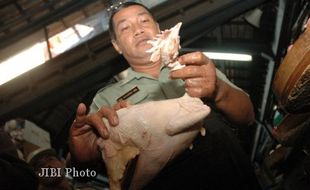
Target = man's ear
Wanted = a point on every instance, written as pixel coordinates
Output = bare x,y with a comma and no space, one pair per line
116,47
158,28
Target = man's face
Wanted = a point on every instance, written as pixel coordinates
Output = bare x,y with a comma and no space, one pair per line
133,27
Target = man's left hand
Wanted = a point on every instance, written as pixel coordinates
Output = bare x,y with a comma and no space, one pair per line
199,75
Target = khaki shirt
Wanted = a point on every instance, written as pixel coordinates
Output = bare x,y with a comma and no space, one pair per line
141,87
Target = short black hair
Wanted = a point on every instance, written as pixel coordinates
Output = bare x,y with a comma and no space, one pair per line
116,8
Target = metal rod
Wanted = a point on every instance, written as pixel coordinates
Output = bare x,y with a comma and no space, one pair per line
47,43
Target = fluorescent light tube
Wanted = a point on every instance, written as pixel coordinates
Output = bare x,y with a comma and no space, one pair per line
228,56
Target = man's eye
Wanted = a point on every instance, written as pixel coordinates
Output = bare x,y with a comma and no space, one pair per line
124,28
145,20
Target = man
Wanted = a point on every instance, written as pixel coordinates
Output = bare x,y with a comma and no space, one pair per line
15,173
212,159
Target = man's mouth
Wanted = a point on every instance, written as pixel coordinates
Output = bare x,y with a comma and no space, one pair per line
142,41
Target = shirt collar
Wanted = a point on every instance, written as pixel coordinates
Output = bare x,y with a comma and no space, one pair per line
137,75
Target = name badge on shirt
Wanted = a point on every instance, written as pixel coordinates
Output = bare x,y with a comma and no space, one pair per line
128,94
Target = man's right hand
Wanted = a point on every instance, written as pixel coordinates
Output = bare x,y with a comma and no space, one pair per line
87,128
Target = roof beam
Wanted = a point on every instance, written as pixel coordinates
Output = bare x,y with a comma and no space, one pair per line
216,17
52,16
6,2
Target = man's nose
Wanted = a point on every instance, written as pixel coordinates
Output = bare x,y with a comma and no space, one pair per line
138,30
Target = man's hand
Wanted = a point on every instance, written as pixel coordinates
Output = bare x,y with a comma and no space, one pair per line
87,128
199,75
201,81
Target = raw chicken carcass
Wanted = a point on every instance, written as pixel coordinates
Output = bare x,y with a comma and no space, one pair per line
156,132
165,47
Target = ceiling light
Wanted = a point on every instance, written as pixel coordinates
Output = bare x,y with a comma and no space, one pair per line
228,56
